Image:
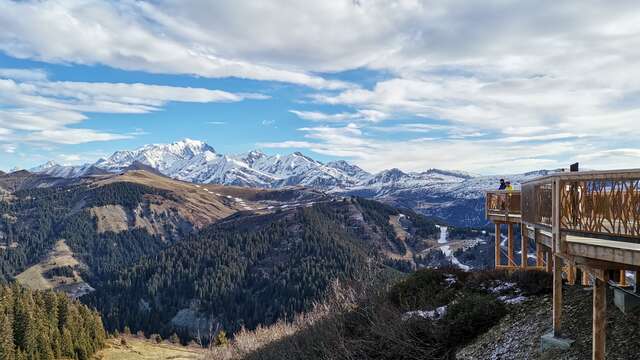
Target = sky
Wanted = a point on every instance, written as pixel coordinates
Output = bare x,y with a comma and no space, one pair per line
490,87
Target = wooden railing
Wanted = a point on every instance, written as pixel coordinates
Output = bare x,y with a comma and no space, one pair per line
537,202
502,202
599,203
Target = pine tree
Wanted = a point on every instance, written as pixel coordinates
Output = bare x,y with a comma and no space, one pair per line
221,339
7,349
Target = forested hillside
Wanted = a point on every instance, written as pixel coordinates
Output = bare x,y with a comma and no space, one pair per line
143,243
46,325
249,271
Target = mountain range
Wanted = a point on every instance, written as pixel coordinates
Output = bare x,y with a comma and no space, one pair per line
454,196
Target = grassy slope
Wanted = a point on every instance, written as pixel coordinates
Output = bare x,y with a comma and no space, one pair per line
61,256
138,349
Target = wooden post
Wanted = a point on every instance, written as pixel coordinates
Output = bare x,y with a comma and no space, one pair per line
557,295
555,216
571,274
498,239
599,317
623,278
539,253
510,252
549,261
585,278
524,247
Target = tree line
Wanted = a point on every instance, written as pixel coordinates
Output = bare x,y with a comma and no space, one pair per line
46,325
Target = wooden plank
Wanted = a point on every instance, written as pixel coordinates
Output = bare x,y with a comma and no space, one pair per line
497,255
549,261
524,247
510,246
598,250
585,278
557,296
600,264
599,319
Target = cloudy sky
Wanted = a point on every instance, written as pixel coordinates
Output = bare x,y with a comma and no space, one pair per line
483,86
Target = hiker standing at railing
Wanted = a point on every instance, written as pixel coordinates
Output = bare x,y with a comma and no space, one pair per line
508,186
503,185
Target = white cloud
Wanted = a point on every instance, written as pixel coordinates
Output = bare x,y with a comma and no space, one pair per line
477,155
561,75
72,136
23,74
9,148
133,36
362,115
41,110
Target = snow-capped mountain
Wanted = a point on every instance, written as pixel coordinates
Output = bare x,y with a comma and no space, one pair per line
453,195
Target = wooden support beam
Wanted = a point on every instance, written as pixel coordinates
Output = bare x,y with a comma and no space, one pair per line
585,278
549,262
555,216
498,239
510,245
557,295
602,265
571,274
524,247
623,278
599,318
539,253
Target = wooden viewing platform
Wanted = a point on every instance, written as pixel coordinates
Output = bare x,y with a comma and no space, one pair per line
586,221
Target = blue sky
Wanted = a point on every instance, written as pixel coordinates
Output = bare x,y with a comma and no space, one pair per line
487,87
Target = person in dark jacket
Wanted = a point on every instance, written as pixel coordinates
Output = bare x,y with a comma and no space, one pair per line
503,185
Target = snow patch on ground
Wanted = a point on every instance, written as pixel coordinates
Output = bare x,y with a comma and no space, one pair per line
436,314
512,299
502,287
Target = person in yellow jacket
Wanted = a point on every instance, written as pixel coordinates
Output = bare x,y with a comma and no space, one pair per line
509,187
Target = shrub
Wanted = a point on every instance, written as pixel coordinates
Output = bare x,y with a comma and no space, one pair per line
470,315
221,339
533,282
424,289
482,280
66,271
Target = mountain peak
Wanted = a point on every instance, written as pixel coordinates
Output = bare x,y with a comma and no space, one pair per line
48,165
195,146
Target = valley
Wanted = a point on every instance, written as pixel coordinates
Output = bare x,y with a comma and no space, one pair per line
162,255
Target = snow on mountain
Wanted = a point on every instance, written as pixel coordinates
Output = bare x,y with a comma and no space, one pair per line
351,170
63,171
166,158
451,195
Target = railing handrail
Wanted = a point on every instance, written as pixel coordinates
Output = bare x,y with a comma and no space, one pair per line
587,175
602,203
505,208
502,191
